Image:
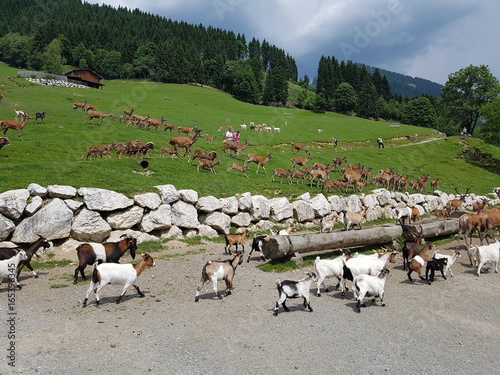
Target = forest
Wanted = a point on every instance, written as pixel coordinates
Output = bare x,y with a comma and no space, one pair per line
121,43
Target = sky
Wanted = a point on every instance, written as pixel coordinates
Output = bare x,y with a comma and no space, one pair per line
429,39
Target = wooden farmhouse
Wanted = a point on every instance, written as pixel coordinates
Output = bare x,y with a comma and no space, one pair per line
85,77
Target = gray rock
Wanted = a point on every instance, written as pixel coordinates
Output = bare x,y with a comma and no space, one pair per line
207,231
52,221
218,221
208,204
168,193
141,237
161,218
305,197
260,208
148,200
280,209
320,205
90,226
174,232
353,203
243,219
302,211
34,205
37,190
61,191
383,196
229,205
244,201
104,200
184,215
6,227
13,203
337,204
73,205
188,196
125,219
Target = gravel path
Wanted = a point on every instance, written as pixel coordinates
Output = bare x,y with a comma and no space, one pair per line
450,327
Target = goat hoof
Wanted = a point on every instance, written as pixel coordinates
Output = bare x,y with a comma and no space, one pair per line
196,299
319,294
19,287
36,276
275,313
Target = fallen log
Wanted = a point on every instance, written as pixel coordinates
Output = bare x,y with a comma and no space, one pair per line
283,246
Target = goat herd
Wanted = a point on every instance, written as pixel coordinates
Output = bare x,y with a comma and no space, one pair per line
368,273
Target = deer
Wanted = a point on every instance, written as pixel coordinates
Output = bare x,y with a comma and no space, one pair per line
300,161
456,204
155,122
434,184
170,127
259,160
296,146
237,148
100,115
279,172
183,129
128,113
79,105
17,125
239,168
185,142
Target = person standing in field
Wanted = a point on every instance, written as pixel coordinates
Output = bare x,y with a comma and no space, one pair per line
229,135
380,142
335,140
237,136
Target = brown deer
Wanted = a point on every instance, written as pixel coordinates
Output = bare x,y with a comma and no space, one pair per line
279,172
434,184
185,142
237,148
169,151
80,105
209,139
456,204
155,122
100,115
209,164
300,161
239,168
12,124
170,127
298,147
128,113
259,160
188,131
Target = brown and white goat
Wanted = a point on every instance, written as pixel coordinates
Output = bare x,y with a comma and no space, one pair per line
219,270
419,260
107,252
235,239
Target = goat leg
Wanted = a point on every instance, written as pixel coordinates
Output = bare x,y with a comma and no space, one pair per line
141,294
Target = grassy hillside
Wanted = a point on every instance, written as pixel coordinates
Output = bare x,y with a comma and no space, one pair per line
50,153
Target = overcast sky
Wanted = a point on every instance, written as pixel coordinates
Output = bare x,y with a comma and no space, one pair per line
421,38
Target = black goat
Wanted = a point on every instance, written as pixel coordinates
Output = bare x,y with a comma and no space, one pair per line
30,249
257,246
40,116
108,252
433,266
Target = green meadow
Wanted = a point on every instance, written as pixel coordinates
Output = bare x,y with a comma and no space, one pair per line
51,153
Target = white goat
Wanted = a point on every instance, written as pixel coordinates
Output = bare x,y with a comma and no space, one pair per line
471,252
276,130
243,127
8,267
294,289
326,268
217,270
326,225
115,273
488,253
371,285
287,231
403,213
365,266
450,260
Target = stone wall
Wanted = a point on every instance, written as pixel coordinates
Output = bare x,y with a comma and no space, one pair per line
67,215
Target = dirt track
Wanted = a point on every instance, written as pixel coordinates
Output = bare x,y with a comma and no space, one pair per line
450,327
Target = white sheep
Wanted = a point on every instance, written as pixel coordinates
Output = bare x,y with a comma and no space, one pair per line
371,285
115,273
8,267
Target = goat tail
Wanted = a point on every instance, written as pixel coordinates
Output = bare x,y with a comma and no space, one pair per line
278,283
95,274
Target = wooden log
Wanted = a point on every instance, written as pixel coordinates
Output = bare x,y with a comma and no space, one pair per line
283,246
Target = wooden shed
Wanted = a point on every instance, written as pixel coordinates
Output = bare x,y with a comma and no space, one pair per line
85,77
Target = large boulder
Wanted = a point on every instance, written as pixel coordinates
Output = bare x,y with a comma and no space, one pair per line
302,211
320,205
161,218
148,200
13,203
104,200
90,226
353,203
188,196
53,221
229,205
243,219
218,221
168,193
208,204
37,190
281,209
244,201
337,204
125,219
34,205
61,191
6,227
184,215
260,208
207,231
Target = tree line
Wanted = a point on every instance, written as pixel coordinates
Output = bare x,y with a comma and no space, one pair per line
131,44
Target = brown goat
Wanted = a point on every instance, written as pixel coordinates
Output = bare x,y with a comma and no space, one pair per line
80,105
200,154
234,147
351,219
170,127
456,204
107,252
418,261
235,239
467,223
219,270
169,151
489,221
